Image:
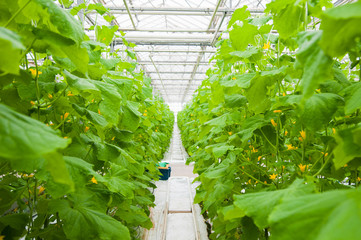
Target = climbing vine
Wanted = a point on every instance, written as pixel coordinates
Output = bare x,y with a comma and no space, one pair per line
80,129
274,128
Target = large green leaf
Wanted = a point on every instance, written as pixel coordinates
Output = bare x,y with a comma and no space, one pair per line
319,110
348,146
240,14
105,34
13,225
260,205
241,36
117,181
56,17
341,28
131,117
10,48
249,126
22,137
317,66
83,220
333,215
353,100
288,16
257,93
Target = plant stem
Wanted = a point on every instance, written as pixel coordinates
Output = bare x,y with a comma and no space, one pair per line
55,99
267,139
249,175
323,166
37,84
17,13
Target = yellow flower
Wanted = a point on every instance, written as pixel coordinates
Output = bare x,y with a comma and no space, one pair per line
266,45
41,189
333,130
358,179
229,133
273,123
286,132
259,158
283,167
66,115
290,147
70,94
99,112
145,110
50,96
156,130
33,72
233,78
273,176
283,94
254,150
318,90
113,138
345,165
326,154
302,167
93,180
65,137
249,181
86,129
265,182
32,103
144,114
303,136
277,111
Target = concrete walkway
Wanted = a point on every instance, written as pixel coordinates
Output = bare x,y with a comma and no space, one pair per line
175,217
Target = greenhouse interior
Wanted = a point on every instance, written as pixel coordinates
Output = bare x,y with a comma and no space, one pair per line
180,119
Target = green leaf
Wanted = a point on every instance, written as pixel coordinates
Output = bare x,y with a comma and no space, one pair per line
341,28
319,110
235,100
353,100
10,48
288,16
56,166
242,36
249,126
348,146
98,7
66,3
240,14
332,215
116,181
105,34
13,225
260,205
317,66
219,149
131,117
257,93
242,80
56,17
82,220
22,137
252,53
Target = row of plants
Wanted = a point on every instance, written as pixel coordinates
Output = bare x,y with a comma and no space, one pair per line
80,129
274,130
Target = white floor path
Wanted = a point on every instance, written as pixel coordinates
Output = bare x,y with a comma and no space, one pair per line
175,217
